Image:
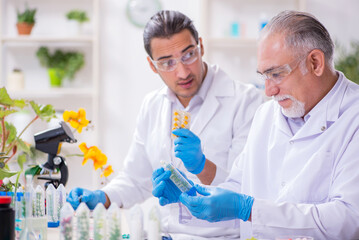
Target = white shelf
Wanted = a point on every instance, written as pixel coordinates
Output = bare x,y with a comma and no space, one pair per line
52,93
237,56
20,52
232,42
46,39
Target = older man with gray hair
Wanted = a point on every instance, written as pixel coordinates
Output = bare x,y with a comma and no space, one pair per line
299,171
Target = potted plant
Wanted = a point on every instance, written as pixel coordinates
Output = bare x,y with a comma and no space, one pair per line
25,21
348,61
79,18
60,64
11,143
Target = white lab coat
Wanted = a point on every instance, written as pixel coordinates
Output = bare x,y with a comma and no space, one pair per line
306,184
222,124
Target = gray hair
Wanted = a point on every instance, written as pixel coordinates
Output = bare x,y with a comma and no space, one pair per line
303,33
165,24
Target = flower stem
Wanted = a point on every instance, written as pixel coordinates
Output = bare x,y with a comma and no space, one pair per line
14,142
28,125
7,160
3,137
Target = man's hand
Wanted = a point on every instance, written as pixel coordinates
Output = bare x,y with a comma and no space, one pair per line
188,149
163,187
91,198
218,204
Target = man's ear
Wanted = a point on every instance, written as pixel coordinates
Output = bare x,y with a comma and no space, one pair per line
201,46
151,64
317,62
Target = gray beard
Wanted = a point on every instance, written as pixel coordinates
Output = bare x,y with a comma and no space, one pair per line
296,110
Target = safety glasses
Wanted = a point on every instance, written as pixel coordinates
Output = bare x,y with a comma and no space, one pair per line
276,75
170,64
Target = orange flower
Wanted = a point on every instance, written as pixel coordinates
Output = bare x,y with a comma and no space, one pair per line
94,153
107,172
77,120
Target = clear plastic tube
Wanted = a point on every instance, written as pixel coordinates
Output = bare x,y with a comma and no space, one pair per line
177,178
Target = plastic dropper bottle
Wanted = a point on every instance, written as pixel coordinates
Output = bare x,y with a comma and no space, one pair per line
27,232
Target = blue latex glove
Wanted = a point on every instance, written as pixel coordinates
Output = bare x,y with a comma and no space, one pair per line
164,189
218,204
188,149
91,198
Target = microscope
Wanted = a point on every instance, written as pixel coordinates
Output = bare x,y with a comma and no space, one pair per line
49,141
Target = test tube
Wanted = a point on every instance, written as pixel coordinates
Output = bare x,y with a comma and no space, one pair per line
20,212
66,222
114,222
83,222
60,197
136,223
39,202
27,232
99,224
178,179
154,224
51,207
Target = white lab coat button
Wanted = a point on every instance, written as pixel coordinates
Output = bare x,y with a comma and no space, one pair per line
323,128
291,142
282,184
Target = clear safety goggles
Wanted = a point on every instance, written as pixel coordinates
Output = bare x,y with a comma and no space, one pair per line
168,65
276,75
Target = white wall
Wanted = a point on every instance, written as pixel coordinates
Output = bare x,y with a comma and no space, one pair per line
126,76
341,18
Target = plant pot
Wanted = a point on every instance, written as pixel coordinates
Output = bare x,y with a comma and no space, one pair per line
56,75
24,28
15,80
75,28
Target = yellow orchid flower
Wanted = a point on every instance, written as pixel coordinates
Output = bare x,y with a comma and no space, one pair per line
107,171
77,120
94,153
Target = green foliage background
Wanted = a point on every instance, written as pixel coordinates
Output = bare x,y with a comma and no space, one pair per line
348,61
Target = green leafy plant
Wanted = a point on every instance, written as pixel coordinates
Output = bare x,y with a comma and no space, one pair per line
11,142
348,61
68,62
77,15
27,16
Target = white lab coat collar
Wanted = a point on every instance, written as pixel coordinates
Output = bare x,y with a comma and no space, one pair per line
321,116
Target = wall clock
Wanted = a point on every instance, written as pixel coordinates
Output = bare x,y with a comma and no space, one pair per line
140,11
